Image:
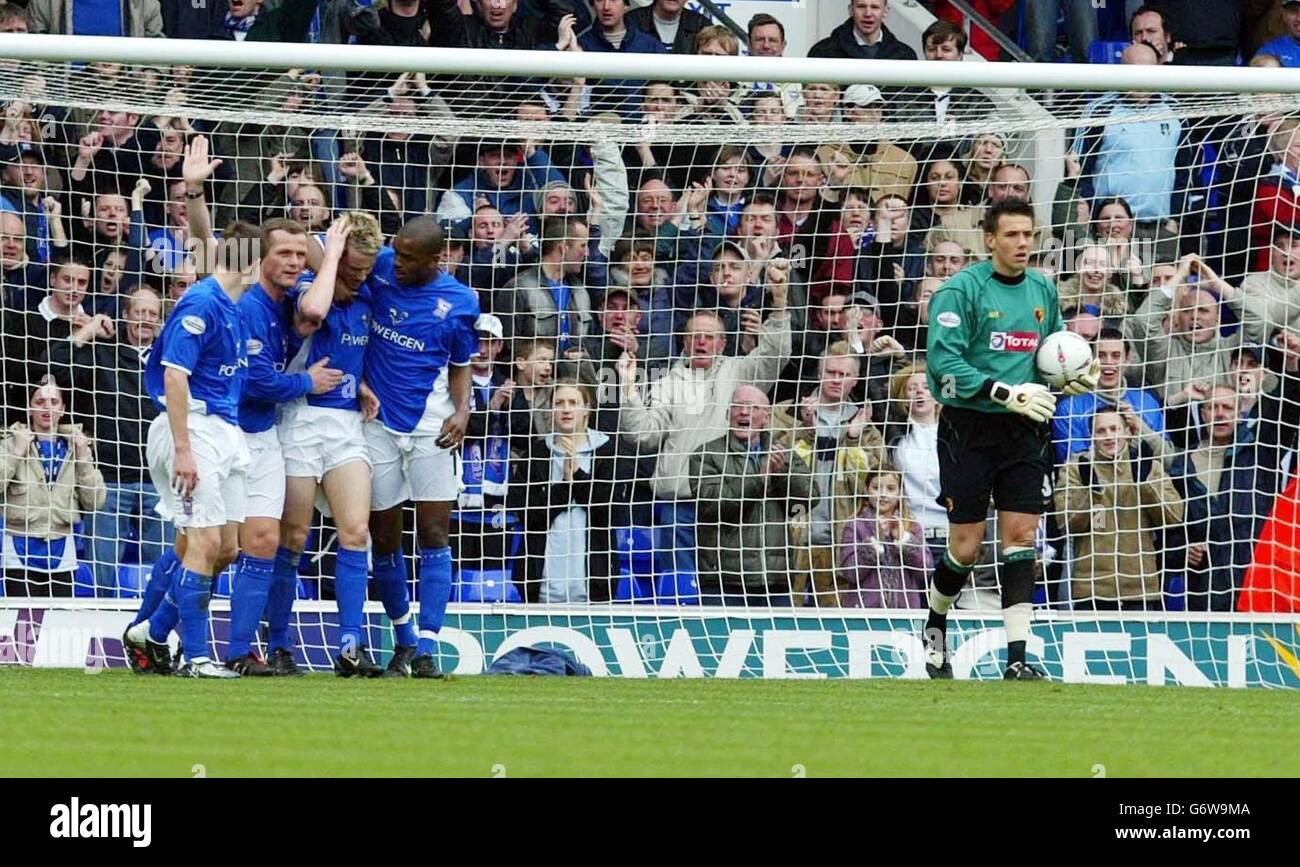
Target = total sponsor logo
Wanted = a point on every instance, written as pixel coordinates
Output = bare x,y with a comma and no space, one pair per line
1014,341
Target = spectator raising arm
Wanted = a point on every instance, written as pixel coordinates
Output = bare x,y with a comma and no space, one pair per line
775,343
196,170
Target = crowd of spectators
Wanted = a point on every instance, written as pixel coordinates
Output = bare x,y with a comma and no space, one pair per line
696,360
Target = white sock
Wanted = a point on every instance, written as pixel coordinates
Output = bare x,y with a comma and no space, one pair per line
1017,618
939,603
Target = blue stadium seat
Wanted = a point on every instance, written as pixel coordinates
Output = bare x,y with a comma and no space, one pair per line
1175,593
131,580
1101,51
83,582
677,588
308,588
636,550
631,589
484,585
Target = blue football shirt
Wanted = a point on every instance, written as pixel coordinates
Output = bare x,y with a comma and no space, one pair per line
266,325
416,332
341,338
204,336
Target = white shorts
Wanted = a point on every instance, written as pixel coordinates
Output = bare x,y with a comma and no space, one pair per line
410,467
265,476
316,439
222,459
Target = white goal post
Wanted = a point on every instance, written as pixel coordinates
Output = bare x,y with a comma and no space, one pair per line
611,208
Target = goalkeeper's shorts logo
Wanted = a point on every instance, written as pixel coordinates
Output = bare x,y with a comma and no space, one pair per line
1013,341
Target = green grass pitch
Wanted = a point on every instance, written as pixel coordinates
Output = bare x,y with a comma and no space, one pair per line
69,723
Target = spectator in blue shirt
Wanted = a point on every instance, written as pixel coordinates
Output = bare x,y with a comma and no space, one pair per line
1144,162
1286,47
24,280
609,32
96,17
497,248
1072,426
25,182
500,182
167,244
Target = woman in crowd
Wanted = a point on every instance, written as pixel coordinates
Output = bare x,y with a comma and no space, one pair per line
50,481
574,486
1131,257
1090,289
914,451
950,219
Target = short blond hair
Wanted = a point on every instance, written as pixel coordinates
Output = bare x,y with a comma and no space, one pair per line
721,35
365,236
839,349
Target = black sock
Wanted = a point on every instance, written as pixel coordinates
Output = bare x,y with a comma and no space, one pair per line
947,579
1015,652
936,621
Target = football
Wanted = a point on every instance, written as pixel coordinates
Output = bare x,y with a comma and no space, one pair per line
1063,356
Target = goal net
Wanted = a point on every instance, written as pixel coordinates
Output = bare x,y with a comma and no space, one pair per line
703,440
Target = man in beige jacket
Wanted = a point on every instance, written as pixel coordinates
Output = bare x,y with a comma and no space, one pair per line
688,407
1113,499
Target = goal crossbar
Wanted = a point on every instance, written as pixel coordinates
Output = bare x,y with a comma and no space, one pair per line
506,62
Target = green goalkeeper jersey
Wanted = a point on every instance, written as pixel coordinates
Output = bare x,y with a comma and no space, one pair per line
983,327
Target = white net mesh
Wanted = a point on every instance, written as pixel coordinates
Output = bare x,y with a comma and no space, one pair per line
705,237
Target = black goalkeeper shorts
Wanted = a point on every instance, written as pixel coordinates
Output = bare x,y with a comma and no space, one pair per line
983,454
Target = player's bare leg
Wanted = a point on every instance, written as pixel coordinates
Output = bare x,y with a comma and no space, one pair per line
347,490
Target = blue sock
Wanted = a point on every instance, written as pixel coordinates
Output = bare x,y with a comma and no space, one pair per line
193,592
247,599
350,591
390,587
435,591
279,604
166,615
160,581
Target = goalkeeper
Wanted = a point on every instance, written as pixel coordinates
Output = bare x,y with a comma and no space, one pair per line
986,323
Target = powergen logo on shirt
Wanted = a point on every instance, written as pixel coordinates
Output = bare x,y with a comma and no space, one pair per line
1013,341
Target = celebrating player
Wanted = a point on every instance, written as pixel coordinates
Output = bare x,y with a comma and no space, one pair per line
197,454
418,364
986,322
324,446
267,577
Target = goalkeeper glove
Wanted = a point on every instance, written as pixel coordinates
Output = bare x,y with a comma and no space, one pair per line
1031,400
1084,382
